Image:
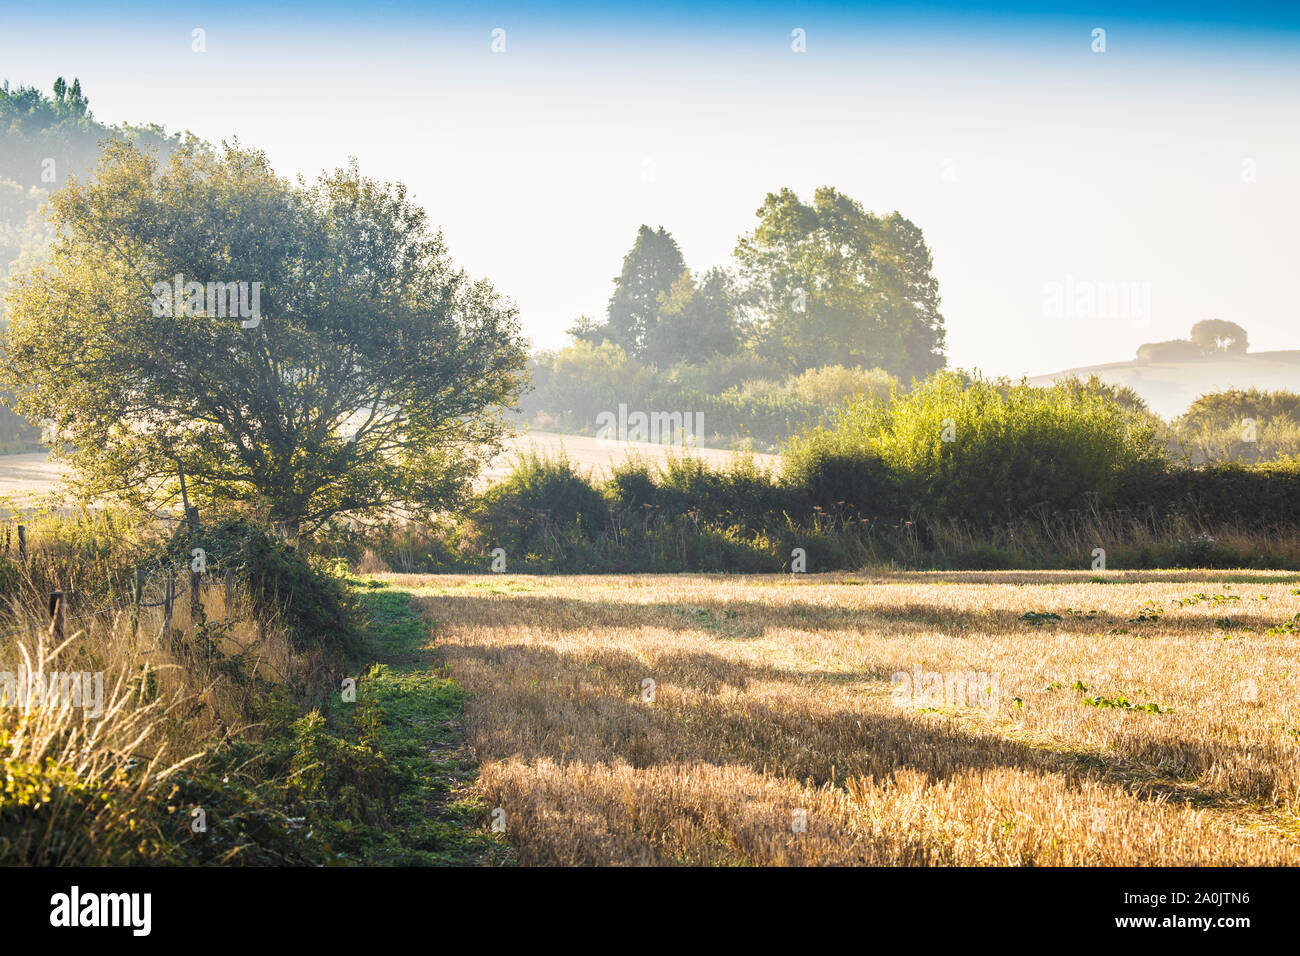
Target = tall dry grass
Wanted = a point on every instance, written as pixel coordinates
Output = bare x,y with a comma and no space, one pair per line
83,781
773,695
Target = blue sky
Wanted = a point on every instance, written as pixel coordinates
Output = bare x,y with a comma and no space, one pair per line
1171,161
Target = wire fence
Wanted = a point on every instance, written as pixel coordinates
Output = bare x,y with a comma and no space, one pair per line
155,578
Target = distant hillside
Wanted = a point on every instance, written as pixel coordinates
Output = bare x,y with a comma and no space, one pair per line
1169,387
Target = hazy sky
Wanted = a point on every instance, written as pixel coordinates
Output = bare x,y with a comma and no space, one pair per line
1169,165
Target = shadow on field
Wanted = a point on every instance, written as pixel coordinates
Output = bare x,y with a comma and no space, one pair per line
729,619
538,703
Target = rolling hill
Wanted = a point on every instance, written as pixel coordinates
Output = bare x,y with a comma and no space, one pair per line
1169,387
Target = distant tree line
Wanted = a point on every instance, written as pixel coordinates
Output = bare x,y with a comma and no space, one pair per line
45,141
824,285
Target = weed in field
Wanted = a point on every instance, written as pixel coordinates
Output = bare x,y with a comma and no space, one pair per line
1201,598
1037,618
1150,611
1286,627
1123,703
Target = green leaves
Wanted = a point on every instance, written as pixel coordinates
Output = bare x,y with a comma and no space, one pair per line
1037,618
1123,703
979,450
367,386
833,282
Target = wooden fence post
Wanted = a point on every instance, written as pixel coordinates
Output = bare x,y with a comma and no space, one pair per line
230,592
168,597
22,543
196,597
58,619
137,595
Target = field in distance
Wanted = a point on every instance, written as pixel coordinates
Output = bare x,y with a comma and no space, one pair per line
1047,718
33,473
1169,387
598,454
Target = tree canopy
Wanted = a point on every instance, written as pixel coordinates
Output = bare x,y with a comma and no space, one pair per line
366,382
696,320
1218,335
830,281
826,283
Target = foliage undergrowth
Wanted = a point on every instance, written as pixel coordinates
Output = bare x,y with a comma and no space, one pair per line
235,737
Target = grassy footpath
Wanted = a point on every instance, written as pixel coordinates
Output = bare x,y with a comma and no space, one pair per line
409,711
380,780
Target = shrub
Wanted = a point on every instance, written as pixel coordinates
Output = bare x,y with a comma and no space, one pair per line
1264,495
586,380
631,487
742,492
540,494
1122,395
1173,350
983,451
1241,424
314,605
832,385
1227,409
766,413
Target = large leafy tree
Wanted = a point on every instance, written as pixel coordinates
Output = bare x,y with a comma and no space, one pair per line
830,283
367,385
916,298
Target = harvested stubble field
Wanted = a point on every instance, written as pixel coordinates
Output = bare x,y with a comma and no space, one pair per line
1140,718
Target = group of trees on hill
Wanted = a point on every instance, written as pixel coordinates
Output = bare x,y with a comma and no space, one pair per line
1208,338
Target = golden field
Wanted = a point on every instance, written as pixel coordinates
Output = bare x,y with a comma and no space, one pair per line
1155,720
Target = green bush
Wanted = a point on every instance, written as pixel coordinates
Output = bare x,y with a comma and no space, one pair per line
742,492
541,493
1262,495
1227,408
832,385
981,451
1241,425
632,489
312,603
